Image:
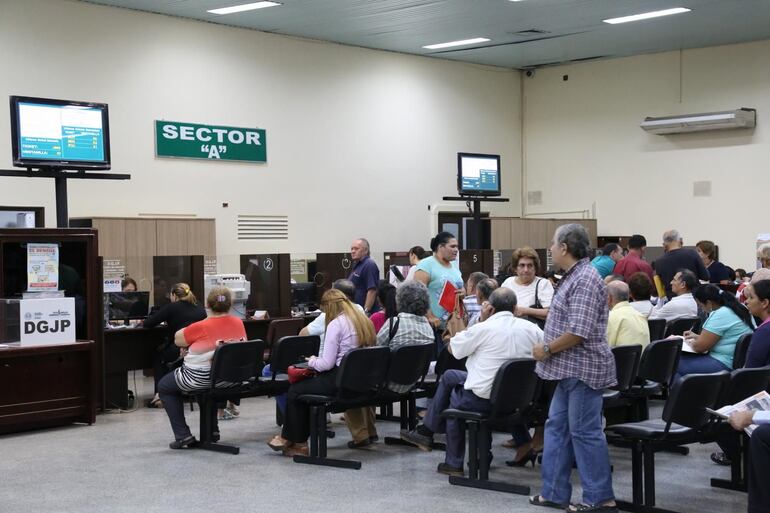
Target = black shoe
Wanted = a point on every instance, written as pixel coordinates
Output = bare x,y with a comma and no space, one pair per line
366,442
190,441
721,458
530,457
449,470
374,438
424,442
215,436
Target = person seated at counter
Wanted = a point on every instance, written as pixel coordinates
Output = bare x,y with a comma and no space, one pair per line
180,313
128,285
198,341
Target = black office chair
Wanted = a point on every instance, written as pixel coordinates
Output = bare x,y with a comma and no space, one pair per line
238,365
679,326
513,390
287,351
684,416
360,378
657,328
741,350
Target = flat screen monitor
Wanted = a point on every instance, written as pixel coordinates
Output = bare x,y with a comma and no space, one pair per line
59,133
303,294
124,306
478,174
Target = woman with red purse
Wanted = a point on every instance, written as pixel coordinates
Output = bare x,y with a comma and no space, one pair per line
346,329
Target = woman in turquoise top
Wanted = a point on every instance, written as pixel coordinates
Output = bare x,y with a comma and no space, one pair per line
728,320
436,270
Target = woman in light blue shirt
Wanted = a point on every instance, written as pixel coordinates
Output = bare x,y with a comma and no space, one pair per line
728,320
436,270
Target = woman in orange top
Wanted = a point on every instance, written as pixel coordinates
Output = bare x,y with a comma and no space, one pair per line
198,342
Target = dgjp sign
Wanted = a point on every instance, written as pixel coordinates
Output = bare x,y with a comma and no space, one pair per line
47,321
213,142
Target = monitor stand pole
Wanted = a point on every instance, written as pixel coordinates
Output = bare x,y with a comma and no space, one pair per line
475,242
60,177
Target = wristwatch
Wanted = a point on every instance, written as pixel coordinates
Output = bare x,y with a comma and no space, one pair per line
547,350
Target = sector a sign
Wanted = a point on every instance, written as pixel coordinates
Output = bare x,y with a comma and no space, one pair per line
210,142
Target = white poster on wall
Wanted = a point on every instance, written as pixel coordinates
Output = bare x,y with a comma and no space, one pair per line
42,267
47,321
112,285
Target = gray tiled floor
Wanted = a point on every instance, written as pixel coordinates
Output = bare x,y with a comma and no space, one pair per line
123,464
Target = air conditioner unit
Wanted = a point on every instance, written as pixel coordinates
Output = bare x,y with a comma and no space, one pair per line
739,118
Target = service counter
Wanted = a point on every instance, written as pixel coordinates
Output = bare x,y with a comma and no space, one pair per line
47,385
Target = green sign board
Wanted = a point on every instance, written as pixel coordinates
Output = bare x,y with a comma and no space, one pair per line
213,142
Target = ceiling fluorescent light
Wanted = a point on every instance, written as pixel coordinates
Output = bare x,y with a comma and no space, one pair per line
646,15
457,43
244,7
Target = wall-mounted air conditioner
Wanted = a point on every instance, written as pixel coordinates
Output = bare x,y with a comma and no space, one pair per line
739,118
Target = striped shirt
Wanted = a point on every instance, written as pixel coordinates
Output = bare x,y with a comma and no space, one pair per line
579,307
412,330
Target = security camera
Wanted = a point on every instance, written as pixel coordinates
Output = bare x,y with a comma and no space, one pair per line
530,73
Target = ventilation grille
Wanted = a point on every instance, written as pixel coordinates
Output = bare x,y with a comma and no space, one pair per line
263,227
535,198
701,189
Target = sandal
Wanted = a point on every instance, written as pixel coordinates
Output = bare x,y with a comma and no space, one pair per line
593,508
538,500
721,458
279,443
155,402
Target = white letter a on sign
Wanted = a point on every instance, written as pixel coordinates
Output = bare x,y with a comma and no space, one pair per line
213,152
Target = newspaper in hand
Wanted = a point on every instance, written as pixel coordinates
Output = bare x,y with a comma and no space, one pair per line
757,402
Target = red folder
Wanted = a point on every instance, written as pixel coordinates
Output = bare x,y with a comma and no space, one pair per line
448,296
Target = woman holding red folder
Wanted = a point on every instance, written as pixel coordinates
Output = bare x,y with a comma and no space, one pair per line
441,276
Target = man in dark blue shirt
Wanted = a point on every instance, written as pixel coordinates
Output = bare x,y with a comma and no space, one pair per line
365,275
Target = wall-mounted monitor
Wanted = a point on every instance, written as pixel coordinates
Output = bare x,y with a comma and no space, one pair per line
63,134
478,174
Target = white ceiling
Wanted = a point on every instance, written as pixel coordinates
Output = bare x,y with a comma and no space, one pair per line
573,29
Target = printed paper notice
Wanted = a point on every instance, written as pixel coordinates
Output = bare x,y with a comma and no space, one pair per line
42,267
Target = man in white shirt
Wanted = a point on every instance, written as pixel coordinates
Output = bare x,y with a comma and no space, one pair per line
682,305
497,338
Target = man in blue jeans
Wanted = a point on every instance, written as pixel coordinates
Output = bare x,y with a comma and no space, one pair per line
488,344
577,356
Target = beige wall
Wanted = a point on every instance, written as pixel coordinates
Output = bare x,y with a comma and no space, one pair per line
360,142
583,145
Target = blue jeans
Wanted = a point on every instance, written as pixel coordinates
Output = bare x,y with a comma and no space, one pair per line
451,394
699,364
573,434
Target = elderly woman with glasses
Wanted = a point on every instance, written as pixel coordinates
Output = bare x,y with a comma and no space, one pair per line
533,294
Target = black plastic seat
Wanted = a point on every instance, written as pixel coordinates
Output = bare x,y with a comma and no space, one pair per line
513,390
741,350
657,328
658,364
360,379
235,371
408,366
684,418
679,326
627,360
743,383
287,351
280,328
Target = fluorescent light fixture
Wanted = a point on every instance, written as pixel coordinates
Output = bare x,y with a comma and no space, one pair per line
243,7
457,43
647,15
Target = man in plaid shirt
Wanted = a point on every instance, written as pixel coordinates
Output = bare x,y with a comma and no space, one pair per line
575,353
